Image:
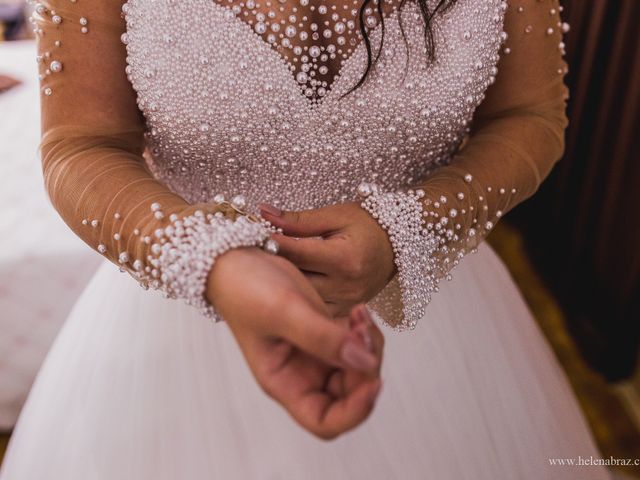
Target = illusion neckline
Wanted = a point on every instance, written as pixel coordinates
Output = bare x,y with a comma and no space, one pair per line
310,104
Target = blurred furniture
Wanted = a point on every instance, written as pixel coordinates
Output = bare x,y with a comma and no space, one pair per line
583,227
7,82
12,19
43,265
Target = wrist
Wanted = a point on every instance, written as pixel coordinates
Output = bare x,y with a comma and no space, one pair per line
185,253
385,256
224,265
400,216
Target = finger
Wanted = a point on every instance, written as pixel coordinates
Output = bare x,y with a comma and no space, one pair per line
326,340
297,375
339,310
329,418
368,332
314,255
362,323
335,384
304,223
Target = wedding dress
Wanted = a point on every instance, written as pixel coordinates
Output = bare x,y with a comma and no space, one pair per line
242,104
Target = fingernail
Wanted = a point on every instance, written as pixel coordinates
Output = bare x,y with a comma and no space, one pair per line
357,318
270,209
360,324
361,313
363,330
356,356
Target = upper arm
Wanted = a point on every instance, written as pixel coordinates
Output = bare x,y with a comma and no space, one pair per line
531,68
91,89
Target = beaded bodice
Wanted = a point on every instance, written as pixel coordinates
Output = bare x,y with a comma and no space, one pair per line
254,99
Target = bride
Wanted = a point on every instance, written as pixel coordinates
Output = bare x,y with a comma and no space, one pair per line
278,164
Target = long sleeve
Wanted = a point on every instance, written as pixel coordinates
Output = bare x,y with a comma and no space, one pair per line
516,137
94,169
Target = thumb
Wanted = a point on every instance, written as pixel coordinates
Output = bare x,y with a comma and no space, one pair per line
303,223
324,339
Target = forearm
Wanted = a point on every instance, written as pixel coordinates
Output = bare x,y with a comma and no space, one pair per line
102,190
435,224
493,173
517,136
100,186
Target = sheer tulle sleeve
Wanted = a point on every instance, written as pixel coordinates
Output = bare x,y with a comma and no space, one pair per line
516,138
92,152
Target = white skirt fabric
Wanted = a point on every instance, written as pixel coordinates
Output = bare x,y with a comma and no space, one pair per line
139,387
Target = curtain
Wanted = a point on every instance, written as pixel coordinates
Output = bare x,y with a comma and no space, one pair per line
583,229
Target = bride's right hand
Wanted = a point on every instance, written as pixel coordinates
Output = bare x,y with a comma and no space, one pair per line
319,369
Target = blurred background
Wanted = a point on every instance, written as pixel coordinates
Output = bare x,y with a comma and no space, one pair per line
574,248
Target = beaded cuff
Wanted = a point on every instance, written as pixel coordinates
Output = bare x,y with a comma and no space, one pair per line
414,248
183,253
430,234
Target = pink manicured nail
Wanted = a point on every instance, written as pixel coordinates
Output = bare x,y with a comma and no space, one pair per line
270,209
363,324
357,318
363,330
361,312
356,356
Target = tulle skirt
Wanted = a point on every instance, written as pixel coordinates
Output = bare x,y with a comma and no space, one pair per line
141,387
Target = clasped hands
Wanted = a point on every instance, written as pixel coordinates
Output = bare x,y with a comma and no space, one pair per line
299,317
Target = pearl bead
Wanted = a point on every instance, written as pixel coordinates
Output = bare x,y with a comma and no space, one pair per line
271,246
239,202
364,190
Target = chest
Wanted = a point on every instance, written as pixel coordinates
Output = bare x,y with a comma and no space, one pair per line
203,45
240,89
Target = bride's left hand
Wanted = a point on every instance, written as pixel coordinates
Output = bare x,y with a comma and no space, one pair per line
343,251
